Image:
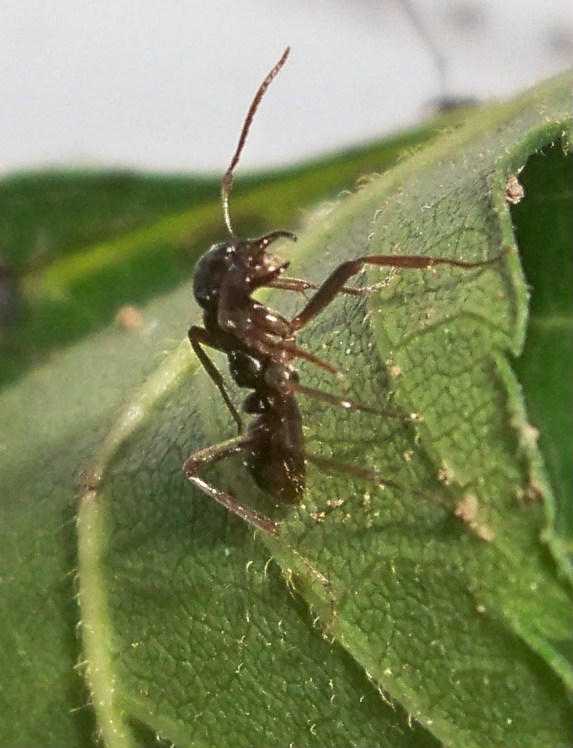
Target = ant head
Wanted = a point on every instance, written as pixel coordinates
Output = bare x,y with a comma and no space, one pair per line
227,181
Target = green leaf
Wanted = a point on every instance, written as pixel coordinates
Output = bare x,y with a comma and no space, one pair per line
544,224
50,214
187,630
466,625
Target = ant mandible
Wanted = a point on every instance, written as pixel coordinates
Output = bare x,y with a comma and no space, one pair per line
260,348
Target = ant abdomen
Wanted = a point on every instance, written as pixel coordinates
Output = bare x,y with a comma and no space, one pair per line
276,457
256,404
281,476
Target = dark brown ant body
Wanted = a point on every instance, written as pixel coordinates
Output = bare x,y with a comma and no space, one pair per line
260,347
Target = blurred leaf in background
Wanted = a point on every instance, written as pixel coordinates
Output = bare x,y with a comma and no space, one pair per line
73,261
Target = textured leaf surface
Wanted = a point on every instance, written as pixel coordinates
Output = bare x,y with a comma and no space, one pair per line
465,624
188,631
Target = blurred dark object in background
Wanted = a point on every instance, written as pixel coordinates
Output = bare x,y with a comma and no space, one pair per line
445,104
11,304
466,16
559,40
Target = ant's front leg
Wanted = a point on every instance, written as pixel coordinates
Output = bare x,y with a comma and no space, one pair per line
215,453
198,335
335,282
301,286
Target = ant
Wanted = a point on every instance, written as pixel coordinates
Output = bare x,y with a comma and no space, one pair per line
260,347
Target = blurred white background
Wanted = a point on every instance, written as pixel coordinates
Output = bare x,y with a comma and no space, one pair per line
165,86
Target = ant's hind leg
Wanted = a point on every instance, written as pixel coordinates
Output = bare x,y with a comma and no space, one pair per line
298,564
370,475
334,466
198,335
335,282
215,453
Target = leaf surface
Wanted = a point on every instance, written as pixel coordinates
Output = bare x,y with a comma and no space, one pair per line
464,620
188,630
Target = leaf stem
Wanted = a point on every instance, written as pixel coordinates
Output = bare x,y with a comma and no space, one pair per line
95,626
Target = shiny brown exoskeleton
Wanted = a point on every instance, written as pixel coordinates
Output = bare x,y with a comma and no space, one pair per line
261,350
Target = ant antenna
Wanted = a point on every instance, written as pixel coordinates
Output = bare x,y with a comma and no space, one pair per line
227,181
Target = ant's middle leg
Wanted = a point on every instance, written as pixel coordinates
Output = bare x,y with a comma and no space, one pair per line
266,344
198,335
215,453
367,474
333,285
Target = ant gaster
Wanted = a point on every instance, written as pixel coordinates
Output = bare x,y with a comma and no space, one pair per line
260,348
